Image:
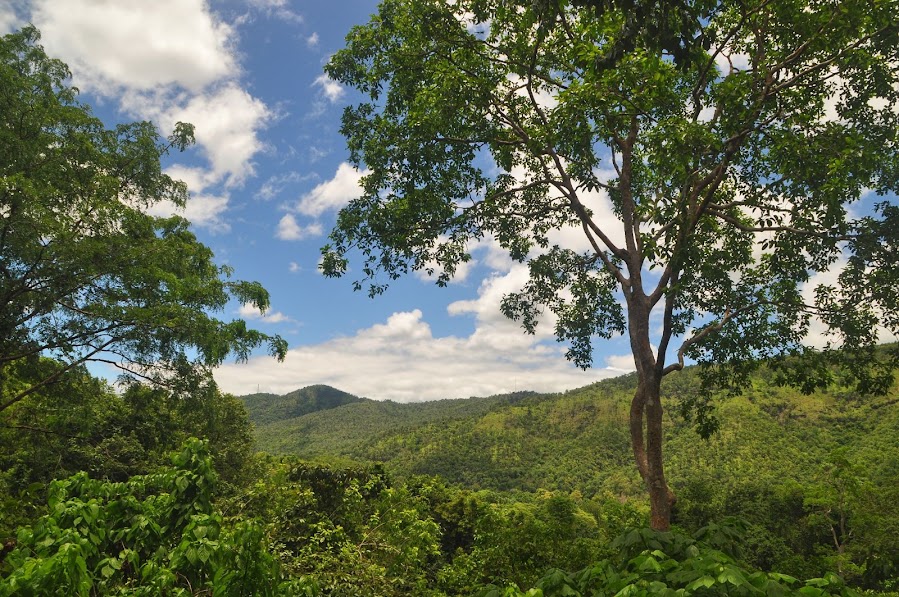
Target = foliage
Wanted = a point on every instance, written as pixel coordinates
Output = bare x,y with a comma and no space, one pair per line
771,464
87,273
794,469
689,142
667,564
78,424
150,535
346,528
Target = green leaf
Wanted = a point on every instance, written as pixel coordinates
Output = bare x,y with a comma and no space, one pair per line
704,581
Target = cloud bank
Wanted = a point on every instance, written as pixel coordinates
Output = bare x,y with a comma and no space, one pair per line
402,360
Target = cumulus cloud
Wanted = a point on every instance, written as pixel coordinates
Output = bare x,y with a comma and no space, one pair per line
333,194
167,61
621,362
205,211
402,360
312,40
290,229
227,122
331,89
9,21
248,311
121,44
494,331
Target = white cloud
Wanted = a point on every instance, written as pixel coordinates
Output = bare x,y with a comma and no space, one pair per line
167,61
227,121
197,179
333,194
401,360
493,255
621,362
294,267
273,187
136,44
312,40
9,21
289,229
332,89
205,211
248,311
494,331
279,9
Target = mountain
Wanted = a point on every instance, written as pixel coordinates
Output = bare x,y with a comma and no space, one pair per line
342,429
264,408
578,440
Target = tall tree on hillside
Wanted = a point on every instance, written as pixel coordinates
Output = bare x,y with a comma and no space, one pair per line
732,139
86,274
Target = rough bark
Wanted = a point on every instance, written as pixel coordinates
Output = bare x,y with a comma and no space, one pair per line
646,441
646,417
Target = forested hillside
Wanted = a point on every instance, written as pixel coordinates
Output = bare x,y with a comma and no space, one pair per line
267,408
578,440
335,433
796,468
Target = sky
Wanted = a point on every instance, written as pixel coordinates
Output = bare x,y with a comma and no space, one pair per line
267,176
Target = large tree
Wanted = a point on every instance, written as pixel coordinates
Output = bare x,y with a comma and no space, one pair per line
86,274
732,138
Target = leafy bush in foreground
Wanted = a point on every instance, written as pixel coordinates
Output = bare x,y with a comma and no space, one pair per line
674,565
151,535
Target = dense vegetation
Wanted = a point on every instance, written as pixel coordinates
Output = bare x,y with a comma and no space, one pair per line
795,468
106,494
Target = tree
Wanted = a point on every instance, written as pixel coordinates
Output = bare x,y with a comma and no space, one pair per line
731,139
86,274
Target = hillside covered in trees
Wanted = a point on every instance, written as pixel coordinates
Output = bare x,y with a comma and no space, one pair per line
577,440
453,497
784,461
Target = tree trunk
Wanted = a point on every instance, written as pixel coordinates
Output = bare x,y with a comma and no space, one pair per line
646,441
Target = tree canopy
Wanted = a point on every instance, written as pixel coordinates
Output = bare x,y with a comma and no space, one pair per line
733,140
86,273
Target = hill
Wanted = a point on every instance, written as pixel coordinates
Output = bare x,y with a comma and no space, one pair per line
340,431
579,440
264,408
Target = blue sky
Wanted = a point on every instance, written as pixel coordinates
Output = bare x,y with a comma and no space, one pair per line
267,177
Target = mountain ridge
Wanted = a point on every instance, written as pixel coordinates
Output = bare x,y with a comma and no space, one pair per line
264,408
578,439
